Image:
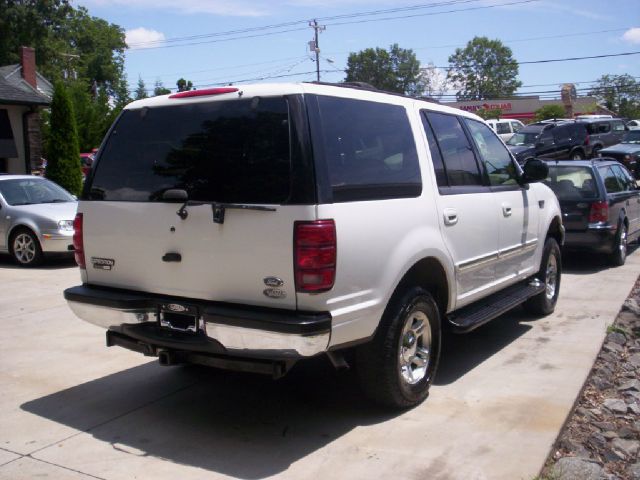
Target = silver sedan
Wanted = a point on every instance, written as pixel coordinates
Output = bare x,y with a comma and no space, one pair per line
36,217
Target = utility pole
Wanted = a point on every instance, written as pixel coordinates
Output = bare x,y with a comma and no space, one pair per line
314,45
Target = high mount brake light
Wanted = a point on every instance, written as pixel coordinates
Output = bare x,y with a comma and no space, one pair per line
205,92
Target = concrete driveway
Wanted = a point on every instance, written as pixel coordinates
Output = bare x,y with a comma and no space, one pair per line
74,409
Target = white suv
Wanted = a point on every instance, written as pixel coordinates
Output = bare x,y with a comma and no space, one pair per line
505,128
249,227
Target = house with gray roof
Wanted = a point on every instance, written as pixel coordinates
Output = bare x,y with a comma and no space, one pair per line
23,93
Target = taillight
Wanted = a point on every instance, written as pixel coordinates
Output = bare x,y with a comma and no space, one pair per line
599,212
587,140
78,241
315,253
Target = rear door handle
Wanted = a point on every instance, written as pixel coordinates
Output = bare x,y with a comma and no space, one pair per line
506,209
450,216
172,257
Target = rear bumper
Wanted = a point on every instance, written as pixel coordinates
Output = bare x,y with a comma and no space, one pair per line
226,329
600,239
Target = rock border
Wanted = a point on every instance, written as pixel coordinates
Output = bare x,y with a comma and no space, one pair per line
601,437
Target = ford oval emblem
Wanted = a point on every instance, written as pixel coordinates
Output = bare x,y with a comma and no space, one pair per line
174,307
273,282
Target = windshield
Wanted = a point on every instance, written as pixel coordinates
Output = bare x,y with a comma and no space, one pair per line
31,191
520,138
571,183
632,137
225,151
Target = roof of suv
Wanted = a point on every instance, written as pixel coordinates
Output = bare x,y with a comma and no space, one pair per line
583,163
279,89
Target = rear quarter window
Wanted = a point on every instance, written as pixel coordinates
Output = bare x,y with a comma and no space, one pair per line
367,148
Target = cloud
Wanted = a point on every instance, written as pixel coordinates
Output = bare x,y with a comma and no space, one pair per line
138,36
632,35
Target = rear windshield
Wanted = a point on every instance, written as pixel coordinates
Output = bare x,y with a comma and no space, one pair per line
226,151
572,183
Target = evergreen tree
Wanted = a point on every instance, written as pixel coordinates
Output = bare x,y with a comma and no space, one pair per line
141,91
63,163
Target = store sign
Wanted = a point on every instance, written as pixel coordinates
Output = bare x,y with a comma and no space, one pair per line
505,107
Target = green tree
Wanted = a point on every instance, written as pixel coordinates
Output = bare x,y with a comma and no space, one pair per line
159,89
184,85
484,69
549,112
619,93
63,163
394,70
141,91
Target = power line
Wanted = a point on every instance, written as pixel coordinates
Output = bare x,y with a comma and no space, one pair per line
162,44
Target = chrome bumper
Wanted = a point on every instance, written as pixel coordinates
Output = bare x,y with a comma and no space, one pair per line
219,331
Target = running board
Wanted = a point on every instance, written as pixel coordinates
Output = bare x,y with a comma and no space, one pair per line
484,310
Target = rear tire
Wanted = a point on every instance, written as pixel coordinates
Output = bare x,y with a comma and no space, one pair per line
550,273
619,254
25,248
397,367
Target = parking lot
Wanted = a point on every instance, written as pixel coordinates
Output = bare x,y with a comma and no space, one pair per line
74,409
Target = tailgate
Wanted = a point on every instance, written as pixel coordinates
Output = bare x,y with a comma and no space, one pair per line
221,262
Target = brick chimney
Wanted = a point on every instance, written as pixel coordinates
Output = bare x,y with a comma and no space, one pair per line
28,64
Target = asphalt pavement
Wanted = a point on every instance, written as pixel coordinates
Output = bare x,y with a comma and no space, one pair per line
74,409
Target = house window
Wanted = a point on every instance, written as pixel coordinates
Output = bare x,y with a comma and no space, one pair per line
7,144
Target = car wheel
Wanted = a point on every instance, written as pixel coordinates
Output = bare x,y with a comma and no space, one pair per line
619,254
577,155
397,367
25,248
550,273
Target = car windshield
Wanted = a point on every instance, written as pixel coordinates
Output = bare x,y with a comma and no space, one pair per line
523,138
632,137
31,191
571,183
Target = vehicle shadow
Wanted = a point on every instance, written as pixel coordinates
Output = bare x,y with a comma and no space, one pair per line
462,353
586,263
241,425
51,262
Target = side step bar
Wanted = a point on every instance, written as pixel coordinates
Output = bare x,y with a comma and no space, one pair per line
471,317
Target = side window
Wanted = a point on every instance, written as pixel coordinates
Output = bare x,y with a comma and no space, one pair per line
493,153
561,134
436,156
546,138
618,126
624,177
503,127
604,127
457,154
369,149
516,126
611,183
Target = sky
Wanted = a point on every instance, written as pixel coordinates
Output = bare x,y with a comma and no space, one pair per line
272,37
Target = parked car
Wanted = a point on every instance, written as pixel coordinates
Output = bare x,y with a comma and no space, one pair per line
626,152
633,125
36,218
561,140
251,227
603,132
505,128
600,204
86,160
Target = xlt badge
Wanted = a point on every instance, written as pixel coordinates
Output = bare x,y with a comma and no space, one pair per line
102,263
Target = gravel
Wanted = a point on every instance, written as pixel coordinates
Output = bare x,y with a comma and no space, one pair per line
601,438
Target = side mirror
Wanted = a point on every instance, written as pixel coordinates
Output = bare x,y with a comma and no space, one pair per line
175,195
534,170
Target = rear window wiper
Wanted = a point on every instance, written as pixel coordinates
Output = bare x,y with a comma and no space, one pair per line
218,208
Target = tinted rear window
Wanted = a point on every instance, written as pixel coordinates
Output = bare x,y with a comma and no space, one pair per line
224,151
572,183
367,147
